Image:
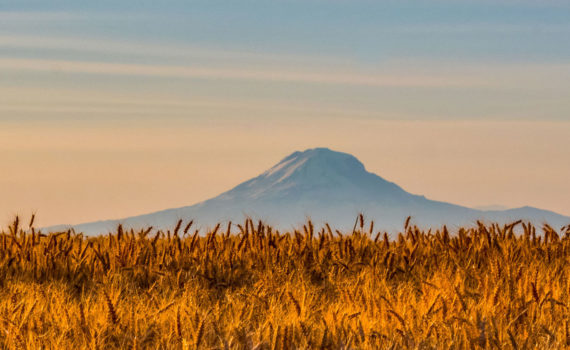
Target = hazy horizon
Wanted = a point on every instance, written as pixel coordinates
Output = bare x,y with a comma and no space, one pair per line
109,110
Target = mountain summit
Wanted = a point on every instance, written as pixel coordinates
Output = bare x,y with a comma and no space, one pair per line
304,174
327,186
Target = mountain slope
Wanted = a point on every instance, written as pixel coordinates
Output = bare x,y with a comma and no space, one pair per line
327,186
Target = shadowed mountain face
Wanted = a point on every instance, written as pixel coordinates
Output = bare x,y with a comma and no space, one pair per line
326,186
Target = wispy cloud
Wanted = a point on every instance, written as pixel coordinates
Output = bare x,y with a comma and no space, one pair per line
53,16
275,75
478,28
157,50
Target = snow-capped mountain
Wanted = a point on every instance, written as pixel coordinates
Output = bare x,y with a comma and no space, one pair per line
326,186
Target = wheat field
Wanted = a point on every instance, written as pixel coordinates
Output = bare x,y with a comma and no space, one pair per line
248,286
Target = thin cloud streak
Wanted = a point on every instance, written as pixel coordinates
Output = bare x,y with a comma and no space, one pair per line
188,72
180,50
56,16
480,27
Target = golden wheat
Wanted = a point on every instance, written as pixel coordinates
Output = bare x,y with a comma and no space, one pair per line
481,287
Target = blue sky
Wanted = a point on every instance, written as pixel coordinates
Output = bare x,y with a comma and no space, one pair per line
79,71
442,54
366,31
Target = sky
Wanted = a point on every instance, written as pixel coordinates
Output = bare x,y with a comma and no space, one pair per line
110,109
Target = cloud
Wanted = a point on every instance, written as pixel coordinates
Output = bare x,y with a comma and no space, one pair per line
56,16
181,51
221,73
478,28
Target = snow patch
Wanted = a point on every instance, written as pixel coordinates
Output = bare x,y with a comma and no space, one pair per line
278,167
291,170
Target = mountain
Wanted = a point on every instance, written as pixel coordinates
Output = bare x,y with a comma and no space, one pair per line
327,186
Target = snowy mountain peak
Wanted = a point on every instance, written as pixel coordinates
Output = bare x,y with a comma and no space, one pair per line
316,172
315,164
